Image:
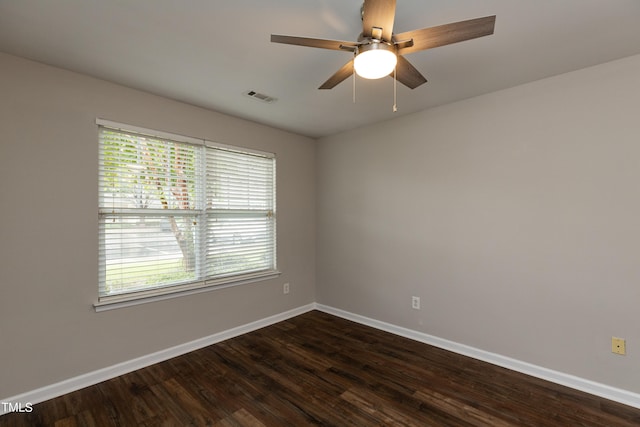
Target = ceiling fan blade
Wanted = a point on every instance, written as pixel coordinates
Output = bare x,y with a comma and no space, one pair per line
407,74
309,42
442,35
378,14
339,76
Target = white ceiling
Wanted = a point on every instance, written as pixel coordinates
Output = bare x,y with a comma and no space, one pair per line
209,52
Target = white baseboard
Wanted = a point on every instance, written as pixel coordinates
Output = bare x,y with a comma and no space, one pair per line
588,386
95,377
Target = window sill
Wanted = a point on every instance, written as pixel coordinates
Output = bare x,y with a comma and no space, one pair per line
128,300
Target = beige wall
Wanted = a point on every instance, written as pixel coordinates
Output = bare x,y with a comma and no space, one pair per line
515,216
49,331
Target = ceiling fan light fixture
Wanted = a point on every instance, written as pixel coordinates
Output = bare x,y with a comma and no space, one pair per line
375,60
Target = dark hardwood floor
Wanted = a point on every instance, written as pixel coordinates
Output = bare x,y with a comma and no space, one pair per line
317,369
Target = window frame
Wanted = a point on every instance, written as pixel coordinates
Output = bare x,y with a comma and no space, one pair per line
202,283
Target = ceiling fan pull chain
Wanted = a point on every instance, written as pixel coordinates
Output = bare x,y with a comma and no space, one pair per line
355,53
354,87
395,92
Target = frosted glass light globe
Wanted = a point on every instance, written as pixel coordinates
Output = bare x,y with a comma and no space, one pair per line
376,62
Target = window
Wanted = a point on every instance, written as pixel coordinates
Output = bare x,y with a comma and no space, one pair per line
177,213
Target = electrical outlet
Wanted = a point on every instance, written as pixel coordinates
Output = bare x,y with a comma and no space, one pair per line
415,303
285,288
618,346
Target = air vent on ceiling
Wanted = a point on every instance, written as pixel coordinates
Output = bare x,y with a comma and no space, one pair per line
260,96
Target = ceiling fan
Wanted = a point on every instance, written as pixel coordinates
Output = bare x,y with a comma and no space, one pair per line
378,51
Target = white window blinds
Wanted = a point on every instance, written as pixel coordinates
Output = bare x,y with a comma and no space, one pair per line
240,206
176,215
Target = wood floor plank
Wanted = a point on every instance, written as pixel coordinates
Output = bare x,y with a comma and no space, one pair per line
66,422
318,369
461,410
